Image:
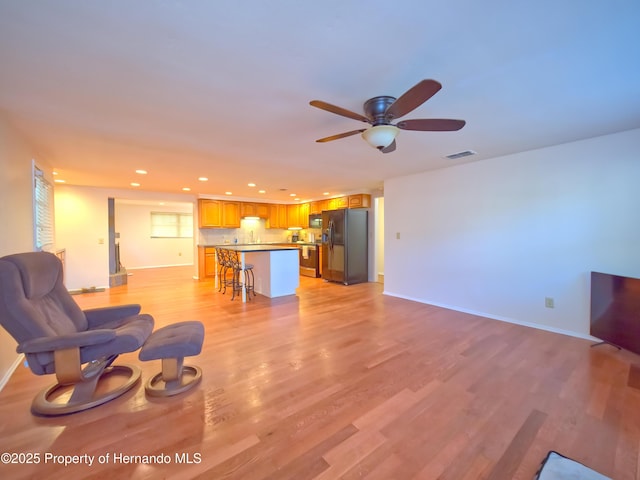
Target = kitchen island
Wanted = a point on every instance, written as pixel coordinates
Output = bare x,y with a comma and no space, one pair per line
275,268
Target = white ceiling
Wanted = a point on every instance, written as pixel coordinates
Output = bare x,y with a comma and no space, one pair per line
189,88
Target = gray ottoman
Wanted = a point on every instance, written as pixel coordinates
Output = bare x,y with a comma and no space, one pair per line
171,344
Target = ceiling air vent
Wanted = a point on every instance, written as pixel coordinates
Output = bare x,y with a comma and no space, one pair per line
455,156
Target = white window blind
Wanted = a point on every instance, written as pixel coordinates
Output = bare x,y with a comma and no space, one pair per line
171,225
43,209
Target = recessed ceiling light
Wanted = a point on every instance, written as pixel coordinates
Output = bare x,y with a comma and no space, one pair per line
262,191
54,172
186,189
251,184
59,180
228,193
297,199
134,184
292,194
203,179
325,193
141,172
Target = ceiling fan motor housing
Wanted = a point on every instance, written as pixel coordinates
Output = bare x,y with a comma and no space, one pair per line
375,109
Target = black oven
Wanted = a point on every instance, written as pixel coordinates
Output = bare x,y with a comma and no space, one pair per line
309,261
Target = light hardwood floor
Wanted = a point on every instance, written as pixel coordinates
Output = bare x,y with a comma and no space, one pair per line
342,382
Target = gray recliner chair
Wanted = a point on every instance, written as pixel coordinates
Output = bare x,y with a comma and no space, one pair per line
56,336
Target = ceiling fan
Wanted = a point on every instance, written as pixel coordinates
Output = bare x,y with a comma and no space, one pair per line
380,111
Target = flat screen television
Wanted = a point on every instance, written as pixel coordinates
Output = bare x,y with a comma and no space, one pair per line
615,310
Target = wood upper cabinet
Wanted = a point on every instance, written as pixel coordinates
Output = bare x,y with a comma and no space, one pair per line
298,215
277,216
361,200
210,213
315,208
338,202
226,214
230,214
218,214
260,210
303,214
293,216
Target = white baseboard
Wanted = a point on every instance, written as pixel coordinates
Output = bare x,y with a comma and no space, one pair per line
497,317
5,378
160,266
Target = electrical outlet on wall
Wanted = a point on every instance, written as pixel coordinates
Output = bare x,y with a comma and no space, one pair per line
549,302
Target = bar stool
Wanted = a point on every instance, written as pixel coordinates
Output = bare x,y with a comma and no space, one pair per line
223,267
247,272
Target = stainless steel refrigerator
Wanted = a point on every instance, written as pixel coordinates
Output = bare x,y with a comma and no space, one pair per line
345,246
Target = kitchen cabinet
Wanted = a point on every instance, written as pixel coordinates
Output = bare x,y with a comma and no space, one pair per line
303,215
260,210
298,215
218,214
277,216
206,262
230,214
342,202
361,200
315,208
209,213
338,202
293,216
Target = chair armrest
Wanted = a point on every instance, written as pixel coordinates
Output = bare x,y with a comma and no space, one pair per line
97,316
71,340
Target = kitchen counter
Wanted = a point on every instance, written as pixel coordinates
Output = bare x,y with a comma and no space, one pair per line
261,244
275,268
256,247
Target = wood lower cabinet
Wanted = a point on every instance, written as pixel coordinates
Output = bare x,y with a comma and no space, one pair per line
206,262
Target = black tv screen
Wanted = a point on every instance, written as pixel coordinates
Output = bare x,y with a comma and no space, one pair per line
615,310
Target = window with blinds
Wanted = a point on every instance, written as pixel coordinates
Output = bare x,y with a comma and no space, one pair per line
171,225
43,210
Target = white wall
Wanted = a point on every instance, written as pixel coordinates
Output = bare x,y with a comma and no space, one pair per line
82,229
16,216
138,249
496,237
82,221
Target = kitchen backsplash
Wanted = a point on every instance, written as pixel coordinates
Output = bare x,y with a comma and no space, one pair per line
252,231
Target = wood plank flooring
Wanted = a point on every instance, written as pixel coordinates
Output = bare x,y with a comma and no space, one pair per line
340,382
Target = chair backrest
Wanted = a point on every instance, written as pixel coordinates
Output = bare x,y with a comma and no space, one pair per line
34,302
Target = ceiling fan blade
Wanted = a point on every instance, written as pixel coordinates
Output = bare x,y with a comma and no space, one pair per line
431,124
413,98
338,110
340,135
390,148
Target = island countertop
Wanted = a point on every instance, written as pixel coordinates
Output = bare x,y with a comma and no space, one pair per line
261,244
260,247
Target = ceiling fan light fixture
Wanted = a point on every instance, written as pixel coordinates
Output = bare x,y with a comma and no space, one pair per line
380,136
